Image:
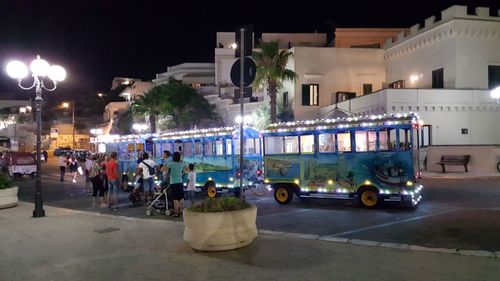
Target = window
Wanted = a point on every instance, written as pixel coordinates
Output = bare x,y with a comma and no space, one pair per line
404,139
365,140
209,148
326,143
219,147
438,79
310,94
257,146
344,141
187,148
167,146
387,139
493,76
229,148
285,99
273,145
367,89
281,145
291,144
198,148
426,135
307,144
158,150
400,84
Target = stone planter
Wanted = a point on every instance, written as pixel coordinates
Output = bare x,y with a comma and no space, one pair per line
8,197
221,230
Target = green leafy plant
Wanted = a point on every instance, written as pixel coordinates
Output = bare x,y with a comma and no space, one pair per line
222,204
5,181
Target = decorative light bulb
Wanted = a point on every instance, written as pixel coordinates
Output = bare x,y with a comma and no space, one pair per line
17,69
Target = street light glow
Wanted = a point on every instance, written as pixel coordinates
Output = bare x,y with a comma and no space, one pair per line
139,127
40,67
495,93
65,104
17,69
247,119
57,73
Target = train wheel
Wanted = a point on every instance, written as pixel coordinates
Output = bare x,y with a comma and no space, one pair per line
283,195
211,191
368,197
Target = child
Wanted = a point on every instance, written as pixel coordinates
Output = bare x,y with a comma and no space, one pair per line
191,183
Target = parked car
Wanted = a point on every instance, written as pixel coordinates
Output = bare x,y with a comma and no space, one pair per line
80,154
62,151
21,163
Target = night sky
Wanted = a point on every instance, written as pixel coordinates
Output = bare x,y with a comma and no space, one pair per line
98,40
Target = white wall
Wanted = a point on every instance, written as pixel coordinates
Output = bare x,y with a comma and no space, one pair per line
464,45
335,69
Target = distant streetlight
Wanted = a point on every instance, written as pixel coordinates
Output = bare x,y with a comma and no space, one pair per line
96,132
495,93
139,127
247,119
100,95
39,70
67,105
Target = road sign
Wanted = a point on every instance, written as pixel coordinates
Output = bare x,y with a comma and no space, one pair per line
249,72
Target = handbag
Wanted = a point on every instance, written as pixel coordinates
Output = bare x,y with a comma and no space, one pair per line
151,170
80,171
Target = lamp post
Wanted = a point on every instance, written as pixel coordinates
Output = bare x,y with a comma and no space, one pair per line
66,105
39,70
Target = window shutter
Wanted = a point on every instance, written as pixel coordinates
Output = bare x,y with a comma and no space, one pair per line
317,95
305,95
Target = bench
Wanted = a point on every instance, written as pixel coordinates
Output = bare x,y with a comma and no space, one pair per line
454,160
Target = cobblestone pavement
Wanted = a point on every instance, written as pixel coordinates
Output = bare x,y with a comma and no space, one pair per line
73,245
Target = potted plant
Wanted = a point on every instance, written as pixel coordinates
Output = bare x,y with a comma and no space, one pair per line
8,192
218,224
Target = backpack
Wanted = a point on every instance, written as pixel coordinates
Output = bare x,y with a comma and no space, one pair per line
151,170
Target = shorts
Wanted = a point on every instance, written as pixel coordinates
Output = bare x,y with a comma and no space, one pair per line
177,191
113,186
148,184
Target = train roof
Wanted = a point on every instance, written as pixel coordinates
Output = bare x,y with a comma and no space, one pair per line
189,134
342,123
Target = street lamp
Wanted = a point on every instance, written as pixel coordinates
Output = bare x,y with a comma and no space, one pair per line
39,70
247,119
66,105
495,93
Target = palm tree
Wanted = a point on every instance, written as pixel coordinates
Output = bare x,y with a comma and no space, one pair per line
151,104
271,71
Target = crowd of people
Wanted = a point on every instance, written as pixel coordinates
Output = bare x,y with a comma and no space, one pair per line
103,173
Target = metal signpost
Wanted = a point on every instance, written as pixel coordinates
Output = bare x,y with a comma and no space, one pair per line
242,87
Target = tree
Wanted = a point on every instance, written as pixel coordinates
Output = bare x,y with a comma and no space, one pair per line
271,71
152,104
184,106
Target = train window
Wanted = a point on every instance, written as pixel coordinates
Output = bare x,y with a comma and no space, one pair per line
344,141
187,148
387,139
307,144
158,150
257,146
219,147
208,148
273,145
365,140
291,144
404,139
326,143
249,146
167,146
198,148
229,148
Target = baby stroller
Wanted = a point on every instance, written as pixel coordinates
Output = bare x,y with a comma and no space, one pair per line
135,197
161,202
